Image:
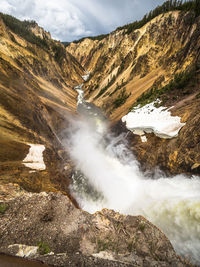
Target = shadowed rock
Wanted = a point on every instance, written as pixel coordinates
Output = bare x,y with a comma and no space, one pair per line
78,238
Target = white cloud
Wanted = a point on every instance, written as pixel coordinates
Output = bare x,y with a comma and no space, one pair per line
5,7
62,18
72,19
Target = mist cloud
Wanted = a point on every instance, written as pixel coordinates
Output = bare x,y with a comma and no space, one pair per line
72,19
117,182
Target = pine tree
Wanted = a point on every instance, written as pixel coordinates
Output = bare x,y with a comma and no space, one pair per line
197,7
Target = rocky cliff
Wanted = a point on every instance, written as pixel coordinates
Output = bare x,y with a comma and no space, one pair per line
47,227
36,98
125,65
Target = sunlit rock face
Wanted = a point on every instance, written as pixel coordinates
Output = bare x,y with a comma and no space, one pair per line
124,66
134,62
39,31
37,98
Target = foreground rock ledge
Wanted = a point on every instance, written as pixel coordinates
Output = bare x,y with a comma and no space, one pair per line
77,238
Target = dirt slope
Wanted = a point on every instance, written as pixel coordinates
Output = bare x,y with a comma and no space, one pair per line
36,98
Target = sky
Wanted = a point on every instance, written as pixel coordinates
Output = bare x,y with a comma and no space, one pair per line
69,20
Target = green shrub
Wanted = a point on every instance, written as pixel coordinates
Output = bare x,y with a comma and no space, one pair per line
66,44
180,81
100,63
103,90
118,87
60,53
102,245
141,226
130,246
3,208
121,99
43,248
106,244
98,37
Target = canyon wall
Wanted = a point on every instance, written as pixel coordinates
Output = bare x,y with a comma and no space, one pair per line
159,60
36,100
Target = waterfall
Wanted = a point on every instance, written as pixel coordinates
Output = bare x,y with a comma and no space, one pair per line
108,176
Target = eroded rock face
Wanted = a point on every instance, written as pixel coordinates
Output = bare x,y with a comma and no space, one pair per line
174,156
76,237
39,31
134,62
36,101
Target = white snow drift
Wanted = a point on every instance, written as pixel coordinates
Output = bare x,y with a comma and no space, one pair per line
34,159
149,119
86,77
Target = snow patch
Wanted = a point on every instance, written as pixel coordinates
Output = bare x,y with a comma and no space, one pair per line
34,159
32,171
86,77
150,119
143,139
24,251
104,255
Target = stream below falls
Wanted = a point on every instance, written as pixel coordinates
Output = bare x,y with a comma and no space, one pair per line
108,176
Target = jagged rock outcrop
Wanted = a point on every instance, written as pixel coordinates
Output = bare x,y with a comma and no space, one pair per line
39,31
123,66
37,78
77,238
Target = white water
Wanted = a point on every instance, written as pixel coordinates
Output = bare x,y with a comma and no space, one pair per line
173,204
86,77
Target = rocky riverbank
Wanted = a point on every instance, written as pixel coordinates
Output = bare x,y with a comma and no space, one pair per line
47,227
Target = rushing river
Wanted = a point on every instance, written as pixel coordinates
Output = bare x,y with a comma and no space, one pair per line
108,176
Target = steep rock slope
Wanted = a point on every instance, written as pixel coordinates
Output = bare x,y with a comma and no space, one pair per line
77,238
160,60
123,66
37,78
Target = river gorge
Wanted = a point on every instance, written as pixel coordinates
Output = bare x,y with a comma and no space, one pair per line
109,176
99,143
